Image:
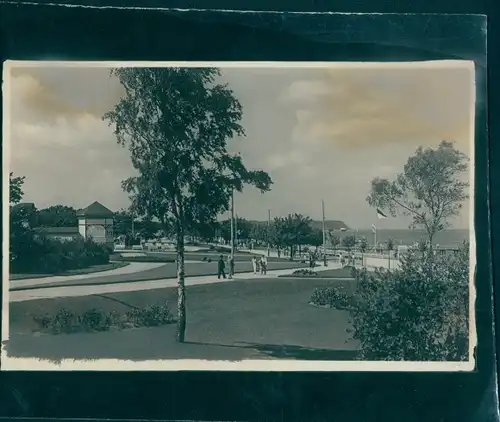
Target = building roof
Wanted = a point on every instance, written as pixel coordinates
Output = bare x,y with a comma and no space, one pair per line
58,230
96,209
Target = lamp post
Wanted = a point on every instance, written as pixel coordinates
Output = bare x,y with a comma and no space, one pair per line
232,223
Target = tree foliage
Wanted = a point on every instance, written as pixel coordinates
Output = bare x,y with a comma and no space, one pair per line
349,242
15,189
292,231
418,312
333,239
390,244
57,216
363,245
176,123
430,189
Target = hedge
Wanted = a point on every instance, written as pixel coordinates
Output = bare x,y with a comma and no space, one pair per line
42,255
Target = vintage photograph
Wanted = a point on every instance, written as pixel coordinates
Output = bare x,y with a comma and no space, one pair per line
239,216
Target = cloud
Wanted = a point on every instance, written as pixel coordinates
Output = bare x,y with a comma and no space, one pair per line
361,107
45,94
321,134
68,154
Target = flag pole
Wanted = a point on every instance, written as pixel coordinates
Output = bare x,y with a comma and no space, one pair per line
324,233
268,232
236,231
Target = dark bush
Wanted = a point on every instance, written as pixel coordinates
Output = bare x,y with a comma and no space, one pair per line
33,253
418,312
95,320
332,297
305,273
150,316
63,322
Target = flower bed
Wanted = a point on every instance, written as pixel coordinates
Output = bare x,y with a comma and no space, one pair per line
305,273
95,320
331,297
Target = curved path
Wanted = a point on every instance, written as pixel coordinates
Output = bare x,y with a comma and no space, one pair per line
132,268
72,291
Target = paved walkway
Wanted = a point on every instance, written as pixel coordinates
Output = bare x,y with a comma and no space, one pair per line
133,267
72,291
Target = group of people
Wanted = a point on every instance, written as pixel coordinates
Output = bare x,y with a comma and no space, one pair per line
259,266
221,267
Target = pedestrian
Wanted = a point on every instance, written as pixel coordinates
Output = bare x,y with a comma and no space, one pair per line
231,267
254,265
221,266
263,265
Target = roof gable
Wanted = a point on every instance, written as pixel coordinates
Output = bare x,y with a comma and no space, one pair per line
96,209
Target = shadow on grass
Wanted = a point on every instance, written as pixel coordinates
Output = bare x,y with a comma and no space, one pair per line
287,351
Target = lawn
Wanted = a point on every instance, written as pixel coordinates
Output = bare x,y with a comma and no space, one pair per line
235,320
89,270
167,271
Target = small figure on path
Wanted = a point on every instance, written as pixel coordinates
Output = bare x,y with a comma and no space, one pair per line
254,265
231,267
263,265
221,266
311,261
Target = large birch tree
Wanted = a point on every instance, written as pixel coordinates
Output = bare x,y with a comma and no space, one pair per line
176,123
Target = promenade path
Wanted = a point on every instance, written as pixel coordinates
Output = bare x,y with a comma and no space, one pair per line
132,268
115,287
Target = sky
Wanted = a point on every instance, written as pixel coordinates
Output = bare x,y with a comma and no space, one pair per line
320,132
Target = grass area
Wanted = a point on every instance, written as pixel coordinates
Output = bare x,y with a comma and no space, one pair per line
90,270
146,258
167,271
333,273
233,320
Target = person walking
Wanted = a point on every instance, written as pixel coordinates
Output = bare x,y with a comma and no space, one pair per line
254,265
231,267
263,265
221,266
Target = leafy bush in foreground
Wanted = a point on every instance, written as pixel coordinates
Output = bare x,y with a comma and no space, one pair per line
418,312
332,297
95,320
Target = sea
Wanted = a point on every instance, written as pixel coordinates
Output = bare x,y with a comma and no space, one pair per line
447,238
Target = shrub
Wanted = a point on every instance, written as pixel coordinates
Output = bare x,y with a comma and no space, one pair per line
150,316
39,254
94,320
418,312
63,321
306,273
332,297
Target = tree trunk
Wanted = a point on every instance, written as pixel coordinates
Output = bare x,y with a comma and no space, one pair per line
181,288
431,237
291,252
